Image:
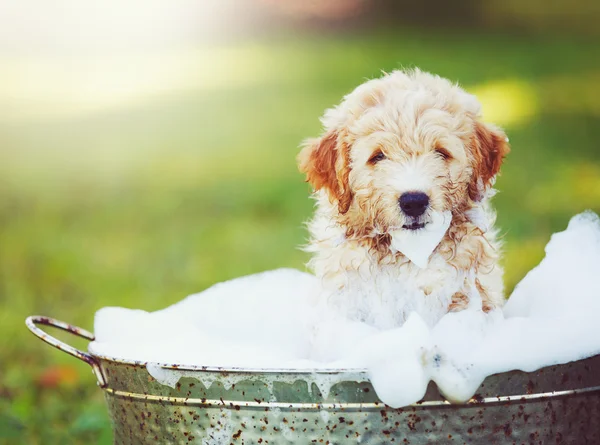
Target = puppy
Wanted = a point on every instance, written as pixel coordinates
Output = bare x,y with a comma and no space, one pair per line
397,154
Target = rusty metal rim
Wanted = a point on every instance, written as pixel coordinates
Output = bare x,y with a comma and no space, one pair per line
34,320
345,406
93,360
233,369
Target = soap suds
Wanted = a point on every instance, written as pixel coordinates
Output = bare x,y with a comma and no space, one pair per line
418,245
273,320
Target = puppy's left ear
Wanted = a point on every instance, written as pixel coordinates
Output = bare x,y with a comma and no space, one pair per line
326,162
489,146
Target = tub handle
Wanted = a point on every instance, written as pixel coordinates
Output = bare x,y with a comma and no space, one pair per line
34,320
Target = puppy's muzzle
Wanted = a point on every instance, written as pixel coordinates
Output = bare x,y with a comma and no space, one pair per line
413,204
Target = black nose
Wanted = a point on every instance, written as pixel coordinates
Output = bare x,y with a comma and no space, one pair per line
414,203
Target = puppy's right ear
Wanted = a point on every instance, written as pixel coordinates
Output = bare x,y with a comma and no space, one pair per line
326,164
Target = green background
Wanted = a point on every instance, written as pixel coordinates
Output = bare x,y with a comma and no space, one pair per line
141,204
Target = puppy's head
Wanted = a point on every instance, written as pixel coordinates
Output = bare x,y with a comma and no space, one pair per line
401,147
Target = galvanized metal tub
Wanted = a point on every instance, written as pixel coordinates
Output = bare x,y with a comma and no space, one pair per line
558,404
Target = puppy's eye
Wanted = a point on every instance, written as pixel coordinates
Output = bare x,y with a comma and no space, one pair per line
376,157
445,154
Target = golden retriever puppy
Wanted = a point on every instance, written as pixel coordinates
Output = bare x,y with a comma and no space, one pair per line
405,156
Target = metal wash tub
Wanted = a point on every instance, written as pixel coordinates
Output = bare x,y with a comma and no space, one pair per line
557,404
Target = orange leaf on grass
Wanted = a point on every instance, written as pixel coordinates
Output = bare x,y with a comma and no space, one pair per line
58,375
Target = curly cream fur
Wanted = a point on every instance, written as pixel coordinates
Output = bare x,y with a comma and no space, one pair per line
433,140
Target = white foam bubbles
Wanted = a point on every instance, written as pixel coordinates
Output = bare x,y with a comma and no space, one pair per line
273,320
418,245
262,320
568,277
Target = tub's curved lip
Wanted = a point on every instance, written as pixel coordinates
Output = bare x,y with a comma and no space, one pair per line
231,369
258,370
190,401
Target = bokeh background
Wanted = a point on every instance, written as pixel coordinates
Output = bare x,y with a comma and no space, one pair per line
147,150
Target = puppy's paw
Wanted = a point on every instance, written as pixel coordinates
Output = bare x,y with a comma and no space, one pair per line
460,302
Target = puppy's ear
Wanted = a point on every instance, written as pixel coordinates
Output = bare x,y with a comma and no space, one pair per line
489,146
326,163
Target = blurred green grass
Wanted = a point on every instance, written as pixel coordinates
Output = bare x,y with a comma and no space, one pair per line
140,206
